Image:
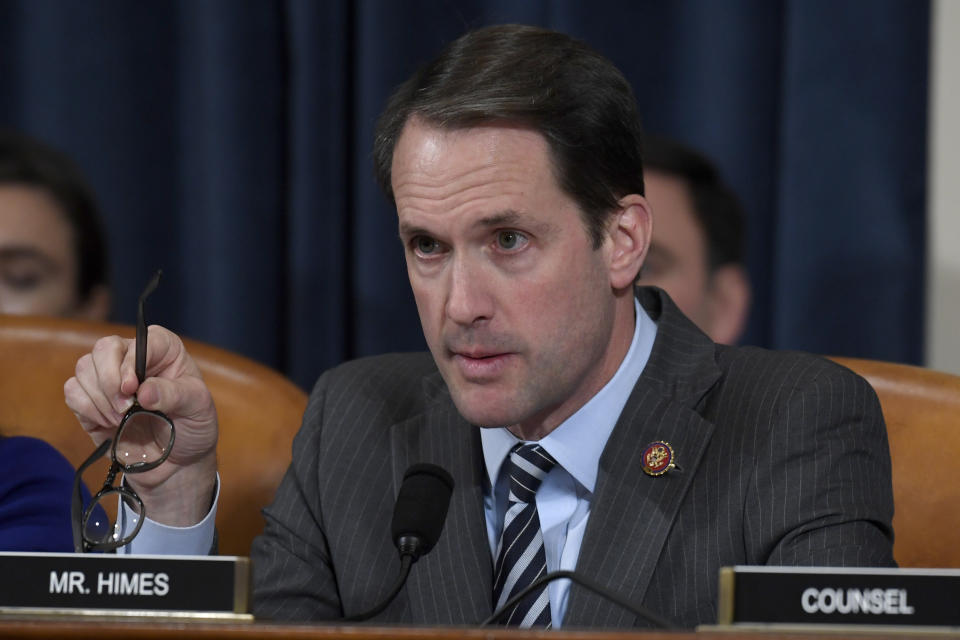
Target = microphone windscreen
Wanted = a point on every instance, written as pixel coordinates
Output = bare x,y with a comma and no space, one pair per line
422,504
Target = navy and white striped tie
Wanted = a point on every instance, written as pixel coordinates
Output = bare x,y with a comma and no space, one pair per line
520,555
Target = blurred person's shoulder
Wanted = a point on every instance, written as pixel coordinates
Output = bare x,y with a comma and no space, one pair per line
35,490
25,457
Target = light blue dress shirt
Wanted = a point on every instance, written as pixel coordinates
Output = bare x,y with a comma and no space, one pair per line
565,497
156,538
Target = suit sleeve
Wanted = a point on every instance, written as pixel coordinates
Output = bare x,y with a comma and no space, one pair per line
293,577
821,491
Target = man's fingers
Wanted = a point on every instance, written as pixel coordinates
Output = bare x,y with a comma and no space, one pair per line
89,382
128,372
108,354
106,380
166,355
91,419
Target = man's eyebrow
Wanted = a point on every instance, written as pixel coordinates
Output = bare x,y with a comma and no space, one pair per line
505,218
405,229
511,218
500,219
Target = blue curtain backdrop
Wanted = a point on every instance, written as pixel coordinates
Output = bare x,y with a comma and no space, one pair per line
230,144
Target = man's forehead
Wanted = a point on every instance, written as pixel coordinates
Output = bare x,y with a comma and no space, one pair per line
485,139
429,160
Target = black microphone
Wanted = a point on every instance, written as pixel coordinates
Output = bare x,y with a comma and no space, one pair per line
421,509
603,592
418,517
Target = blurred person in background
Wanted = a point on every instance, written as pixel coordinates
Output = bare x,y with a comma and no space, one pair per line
53,261
696,254
53,258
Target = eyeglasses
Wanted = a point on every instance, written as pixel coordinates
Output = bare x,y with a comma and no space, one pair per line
143,441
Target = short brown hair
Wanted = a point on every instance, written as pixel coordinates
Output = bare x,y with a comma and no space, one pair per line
548,81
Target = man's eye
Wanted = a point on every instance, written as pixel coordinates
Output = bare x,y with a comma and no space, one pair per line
426,245
509,240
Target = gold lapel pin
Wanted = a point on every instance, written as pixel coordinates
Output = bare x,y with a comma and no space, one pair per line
658,458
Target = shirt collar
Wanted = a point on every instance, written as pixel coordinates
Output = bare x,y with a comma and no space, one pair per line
578,441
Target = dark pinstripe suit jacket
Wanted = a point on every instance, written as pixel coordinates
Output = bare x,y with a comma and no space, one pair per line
783,460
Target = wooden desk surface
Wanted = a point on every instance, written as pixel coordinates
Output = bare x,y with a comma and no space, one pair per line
111,629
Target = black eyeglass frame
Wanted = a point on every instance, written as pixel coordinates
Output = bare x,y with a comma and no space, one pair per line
81,542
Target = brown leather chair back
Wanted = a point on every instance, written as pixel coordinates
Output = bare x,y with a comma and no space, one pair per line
922,411
259,412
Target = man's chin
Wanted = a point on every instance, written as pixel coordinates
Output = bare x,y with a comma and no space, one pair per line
486,411
486,419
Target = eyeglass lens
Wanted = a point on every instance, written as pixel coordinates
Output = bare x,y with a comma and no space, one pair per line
144,440
100,526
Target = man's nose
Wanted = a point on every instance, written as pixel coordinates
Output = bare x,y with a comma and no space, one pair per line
468,298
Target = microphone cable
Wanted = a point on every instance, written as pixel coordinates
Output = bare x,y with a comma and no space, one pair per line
590,585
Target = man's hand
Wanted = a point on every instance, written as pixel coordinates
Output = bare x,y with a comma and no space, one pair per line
179,491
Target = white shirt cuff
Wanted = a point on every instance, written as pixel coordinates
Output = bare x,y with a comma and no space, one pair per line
157,538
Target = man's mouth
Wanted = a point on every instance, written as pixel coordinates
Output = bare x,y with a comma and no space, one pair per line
479,365
475,354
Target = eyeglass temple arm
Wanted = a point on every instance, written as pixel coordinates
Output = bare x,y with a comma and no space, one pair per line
76,506
141,353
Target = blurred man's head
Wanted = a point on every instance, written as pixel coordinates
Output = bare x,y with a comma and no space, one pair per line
53,258
696,254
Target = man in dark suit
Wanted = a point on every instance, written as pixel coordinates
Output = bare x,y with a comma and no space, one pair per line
615,437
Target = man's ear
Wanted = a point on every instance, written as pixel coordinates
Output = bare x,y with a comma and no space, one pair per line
629,230
96,306
728,303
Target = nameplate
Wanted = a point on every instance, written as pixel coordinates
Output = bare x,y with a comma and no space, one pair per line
107,584
835,596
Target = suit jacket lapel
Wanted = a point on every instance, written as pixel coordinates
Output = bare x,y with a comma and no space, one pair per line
632,512
452,583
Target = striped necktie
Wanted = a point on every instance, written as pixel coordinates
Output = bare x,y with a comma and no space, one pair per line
520,555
